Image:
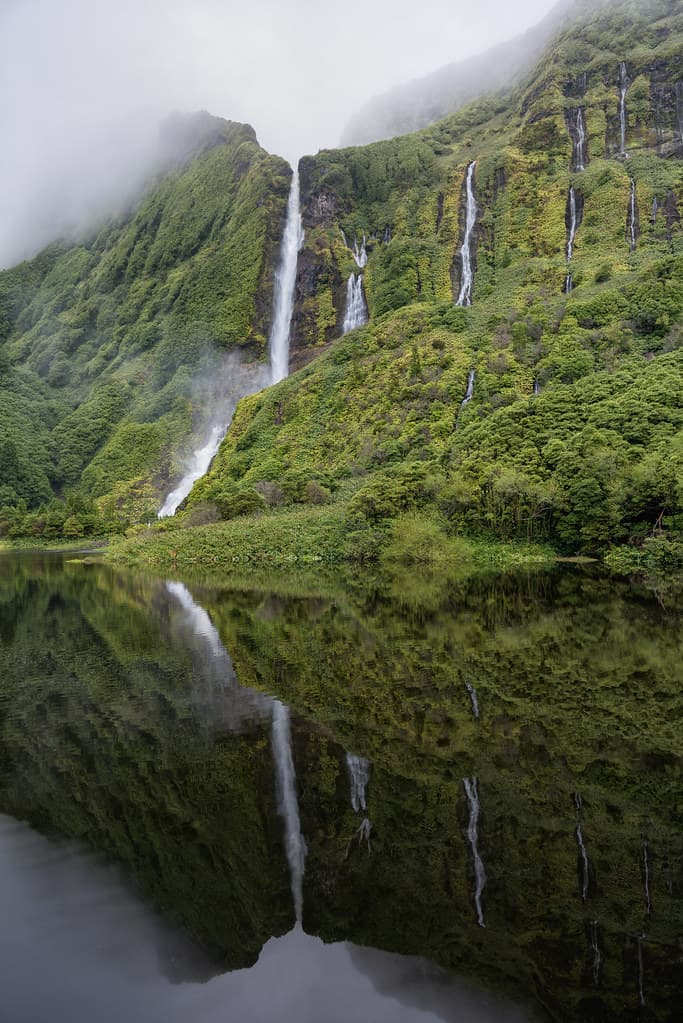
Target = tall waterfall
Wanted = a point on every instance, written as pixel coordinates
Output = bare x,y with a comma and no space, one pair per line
469,393
359,776
285,280
573,224
356,314
473,836
585,865
577,130
623,88
632,217
466,279
595,948
202,457
288,805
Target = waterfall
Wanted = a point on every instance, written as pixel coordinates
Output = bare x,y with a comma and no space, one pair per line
359,776
360,255
655,209
646,876
356,314
285,279
470,390
632,217
568,283
578,802
577,131
202,457
473,836
623,88
572,224
288,806
595,948
585,870
641,990
473,698
537,388
466,280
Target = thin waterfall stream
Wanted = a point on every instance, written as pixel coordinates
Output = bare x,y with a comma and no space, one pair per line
472,794
466,261
288,804
623,89
359,777
632,217
585,863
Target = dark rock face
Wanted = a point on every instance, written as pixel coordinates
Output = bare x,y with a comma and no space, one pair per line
666,97
671,212
575,88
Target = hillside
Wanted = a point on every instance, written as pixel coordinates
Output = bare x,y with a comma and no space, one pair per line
573,432
111,350
547,410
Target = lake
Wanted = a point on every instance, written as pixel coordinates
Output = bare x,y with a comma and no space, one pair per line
295,800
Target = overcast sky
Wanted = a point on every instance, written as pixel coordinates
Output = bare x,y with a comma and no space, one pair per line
85,82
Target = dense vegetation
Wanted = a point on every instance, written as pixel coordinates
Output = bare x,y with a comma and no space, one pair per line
111,349
574,434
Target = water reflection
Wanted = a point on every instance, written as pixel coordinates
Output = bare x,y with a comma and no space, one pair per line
126,724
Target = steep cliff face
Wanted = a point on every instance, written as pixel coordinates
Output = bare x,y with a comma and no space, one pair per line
108,344
572,322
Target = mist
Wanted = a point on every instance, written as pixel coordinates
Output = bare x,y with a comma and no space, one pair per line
87,83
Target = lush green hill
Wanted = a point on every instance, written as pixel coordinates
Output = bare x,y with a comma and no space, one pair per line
107,347
575,430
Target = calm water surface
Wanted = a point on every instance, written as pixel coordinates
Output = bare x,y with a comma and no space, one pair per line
299,803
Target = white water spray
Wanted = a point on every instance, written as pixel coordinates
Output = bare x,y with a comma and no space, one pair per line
288,805
356,314
623,88
360,254
466,281
632,236
473,699
202,457
359,776
285,280
472,794
585,874
572,224
580,144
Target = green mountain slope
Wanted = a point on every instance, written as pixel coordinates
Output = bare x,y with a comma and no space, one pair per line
574,432
108,346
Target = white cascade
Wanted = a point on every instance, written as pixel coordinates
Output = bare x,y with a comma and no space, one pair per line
359,776
632,236
572,224
356,314
202,457
537,388
585,869
285,280
623,88
578,802
597,955
580,155
646,876
472,794
473,699
360,254
469,393
466,281
288,804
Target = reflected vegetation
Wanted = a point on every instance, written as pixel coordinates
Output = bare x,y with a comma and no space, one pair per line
504,753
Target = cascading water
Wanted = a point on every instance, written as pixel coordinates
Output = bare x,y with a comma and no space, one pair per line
537,388
623,89
466,279
356,314
202,458
469,393
288,805
473,699
595,948
585,865
632,217
576,124
472,794
285,280
646,876
571,217
578,802
360,254
359,776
